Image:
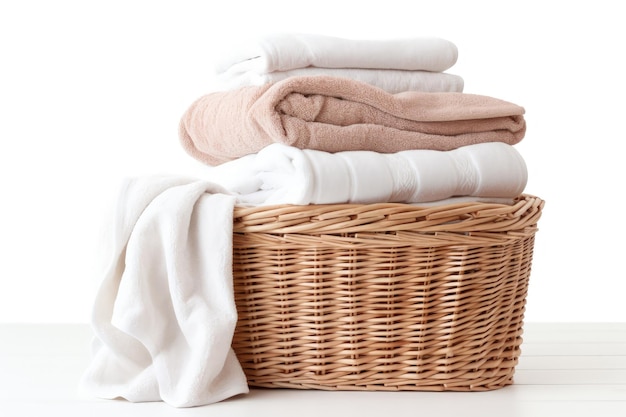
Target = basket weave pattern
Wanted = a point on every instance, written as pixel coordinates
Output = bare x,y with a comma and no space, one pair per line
382,296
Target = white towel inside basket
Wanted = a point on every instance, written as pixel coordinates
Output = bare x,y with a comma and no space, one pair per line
165,315
281,174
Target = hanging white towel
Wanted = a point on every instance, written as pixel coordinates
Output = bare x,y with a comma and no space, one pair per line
165,314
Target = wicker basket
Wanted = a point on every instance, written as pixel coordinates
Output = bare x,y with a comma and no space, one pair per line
382,296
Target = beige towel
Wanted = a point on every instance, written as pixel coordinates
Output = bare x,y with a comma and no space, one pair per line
335,114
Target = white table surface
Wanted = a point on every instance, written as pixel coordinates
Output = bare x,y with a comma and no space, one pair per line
566,369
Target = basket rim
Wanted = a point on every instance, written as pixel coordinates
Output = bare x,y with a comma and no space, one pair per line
336,219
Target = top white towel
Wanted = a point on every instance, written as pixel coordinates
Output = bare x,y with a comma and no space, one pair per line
283,52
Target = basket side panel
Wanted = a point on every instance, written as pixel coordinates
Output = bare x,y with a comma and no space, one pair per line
379,317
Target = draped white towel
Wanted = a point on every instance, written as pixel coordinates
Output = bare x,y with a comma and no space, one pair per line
164,315
281,174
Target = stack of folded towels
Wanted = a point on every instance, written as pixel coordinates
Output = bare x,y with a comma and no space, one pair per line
293,119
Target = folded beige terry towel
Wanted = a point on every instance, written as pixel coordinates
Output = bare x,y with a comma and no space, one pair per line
335,114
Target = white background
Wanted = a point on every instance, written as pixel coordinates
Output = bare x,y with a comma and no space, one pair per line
91,92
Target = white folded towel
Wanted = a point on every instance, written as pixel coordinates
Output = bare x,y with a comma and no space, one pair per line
391,80
288,51
165,315
281,174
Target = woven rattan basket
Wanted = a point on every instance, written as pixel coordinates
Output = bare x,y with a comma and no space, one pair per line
382,296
